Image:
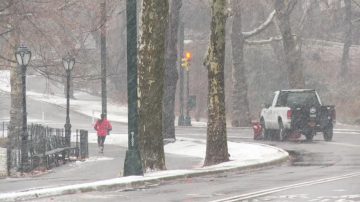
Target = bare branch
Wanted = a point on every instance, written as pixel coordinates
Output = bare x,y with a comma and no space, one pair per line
263,42
261,27
10,30
355,2
356,20
304,16
11,3
7,59
291,5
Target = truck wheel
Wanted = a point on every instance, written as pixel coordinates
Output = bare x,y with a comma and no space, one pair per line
282,132
328,133
309,136
265,132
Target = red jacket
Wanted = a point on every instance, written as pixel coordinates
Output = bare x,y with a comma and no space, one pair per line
102,127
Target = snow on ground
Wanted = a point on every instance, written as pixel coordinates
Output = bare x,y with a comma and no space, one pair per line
91,105
196,148
241,154
84,103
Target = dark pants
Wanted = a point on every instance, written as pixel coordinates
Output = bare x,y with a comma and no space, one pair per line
101,140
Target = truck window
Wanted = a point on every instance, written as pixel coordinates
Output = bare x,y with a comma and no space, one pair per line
282,100
306,98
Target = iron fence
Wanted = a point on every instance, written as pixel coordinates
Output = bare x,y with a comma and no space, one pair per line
44,144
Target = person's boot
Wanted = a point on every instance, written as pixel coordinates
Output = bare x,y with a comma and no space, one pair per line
102,149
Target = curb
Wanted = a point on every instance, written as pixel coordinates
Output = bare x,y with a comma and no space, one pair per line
133,182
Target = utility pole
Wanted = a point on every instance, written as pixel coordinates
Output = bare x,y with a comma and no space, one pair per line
133,164
103,59
186,61
188,118
181,120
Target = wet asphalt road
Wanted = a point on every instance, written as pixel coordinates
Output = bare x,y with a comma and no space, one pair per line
318,171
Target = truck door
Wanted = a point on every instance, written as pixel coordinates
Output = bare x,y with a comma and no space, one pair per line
272,119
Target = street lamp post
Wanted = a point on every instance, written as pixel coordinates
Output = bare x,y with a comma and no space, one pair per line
133,164
23,56
68,63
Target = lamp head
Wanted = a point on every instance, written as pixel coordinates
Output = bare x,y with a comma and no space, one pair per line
23,55
68,62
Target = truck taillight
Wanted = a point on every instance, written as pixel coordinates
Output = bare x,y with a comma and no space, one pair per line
289,114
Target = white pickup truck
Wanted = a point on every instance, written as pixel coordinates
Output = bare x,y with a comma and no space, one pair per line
297,111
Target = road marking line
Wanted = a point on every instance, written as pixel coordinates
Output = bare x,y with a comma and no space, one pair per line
283,188
345,129
347,132
344,144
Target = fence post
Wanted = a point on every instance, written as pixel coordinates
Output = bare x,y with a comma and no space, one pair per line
8,159
84,150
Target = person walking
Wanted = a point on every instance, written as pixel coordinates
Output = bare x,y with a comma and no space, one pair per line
103,127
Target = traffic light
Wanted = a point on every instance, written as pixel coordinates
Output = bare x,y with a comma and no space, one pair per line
185,61
188,56
185,64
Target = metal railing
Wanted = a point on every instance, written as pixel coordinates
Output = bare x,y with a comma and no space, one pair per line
42,140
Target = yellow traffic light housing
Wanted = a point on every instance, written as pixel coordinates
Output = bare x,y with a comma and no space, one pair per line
185,61
188,56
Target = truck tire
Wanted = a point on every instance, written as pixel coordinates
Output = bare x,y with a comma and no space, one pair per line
281,134
309,136
265,132
328,133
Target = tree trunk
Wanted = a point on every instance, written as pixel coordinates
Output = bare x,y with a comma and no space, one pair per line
171,74
151,82
347,38
290,42
16,118
240,114
216,143
103,58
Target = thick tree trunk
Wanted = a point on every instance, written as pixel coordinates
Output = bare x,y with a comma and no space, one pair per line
290,42
216,143
151,82
240,114
16,118
171,74
347,39
15,125
103,56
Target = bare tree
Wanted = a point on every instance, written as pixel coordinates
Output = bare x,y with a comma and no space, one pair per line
347,39
171,74
151,82
240,113
290,42
216,143
16,118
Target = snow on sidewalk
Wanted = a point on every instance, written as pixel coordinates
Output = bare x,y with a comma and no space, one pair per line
243,155
84,103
